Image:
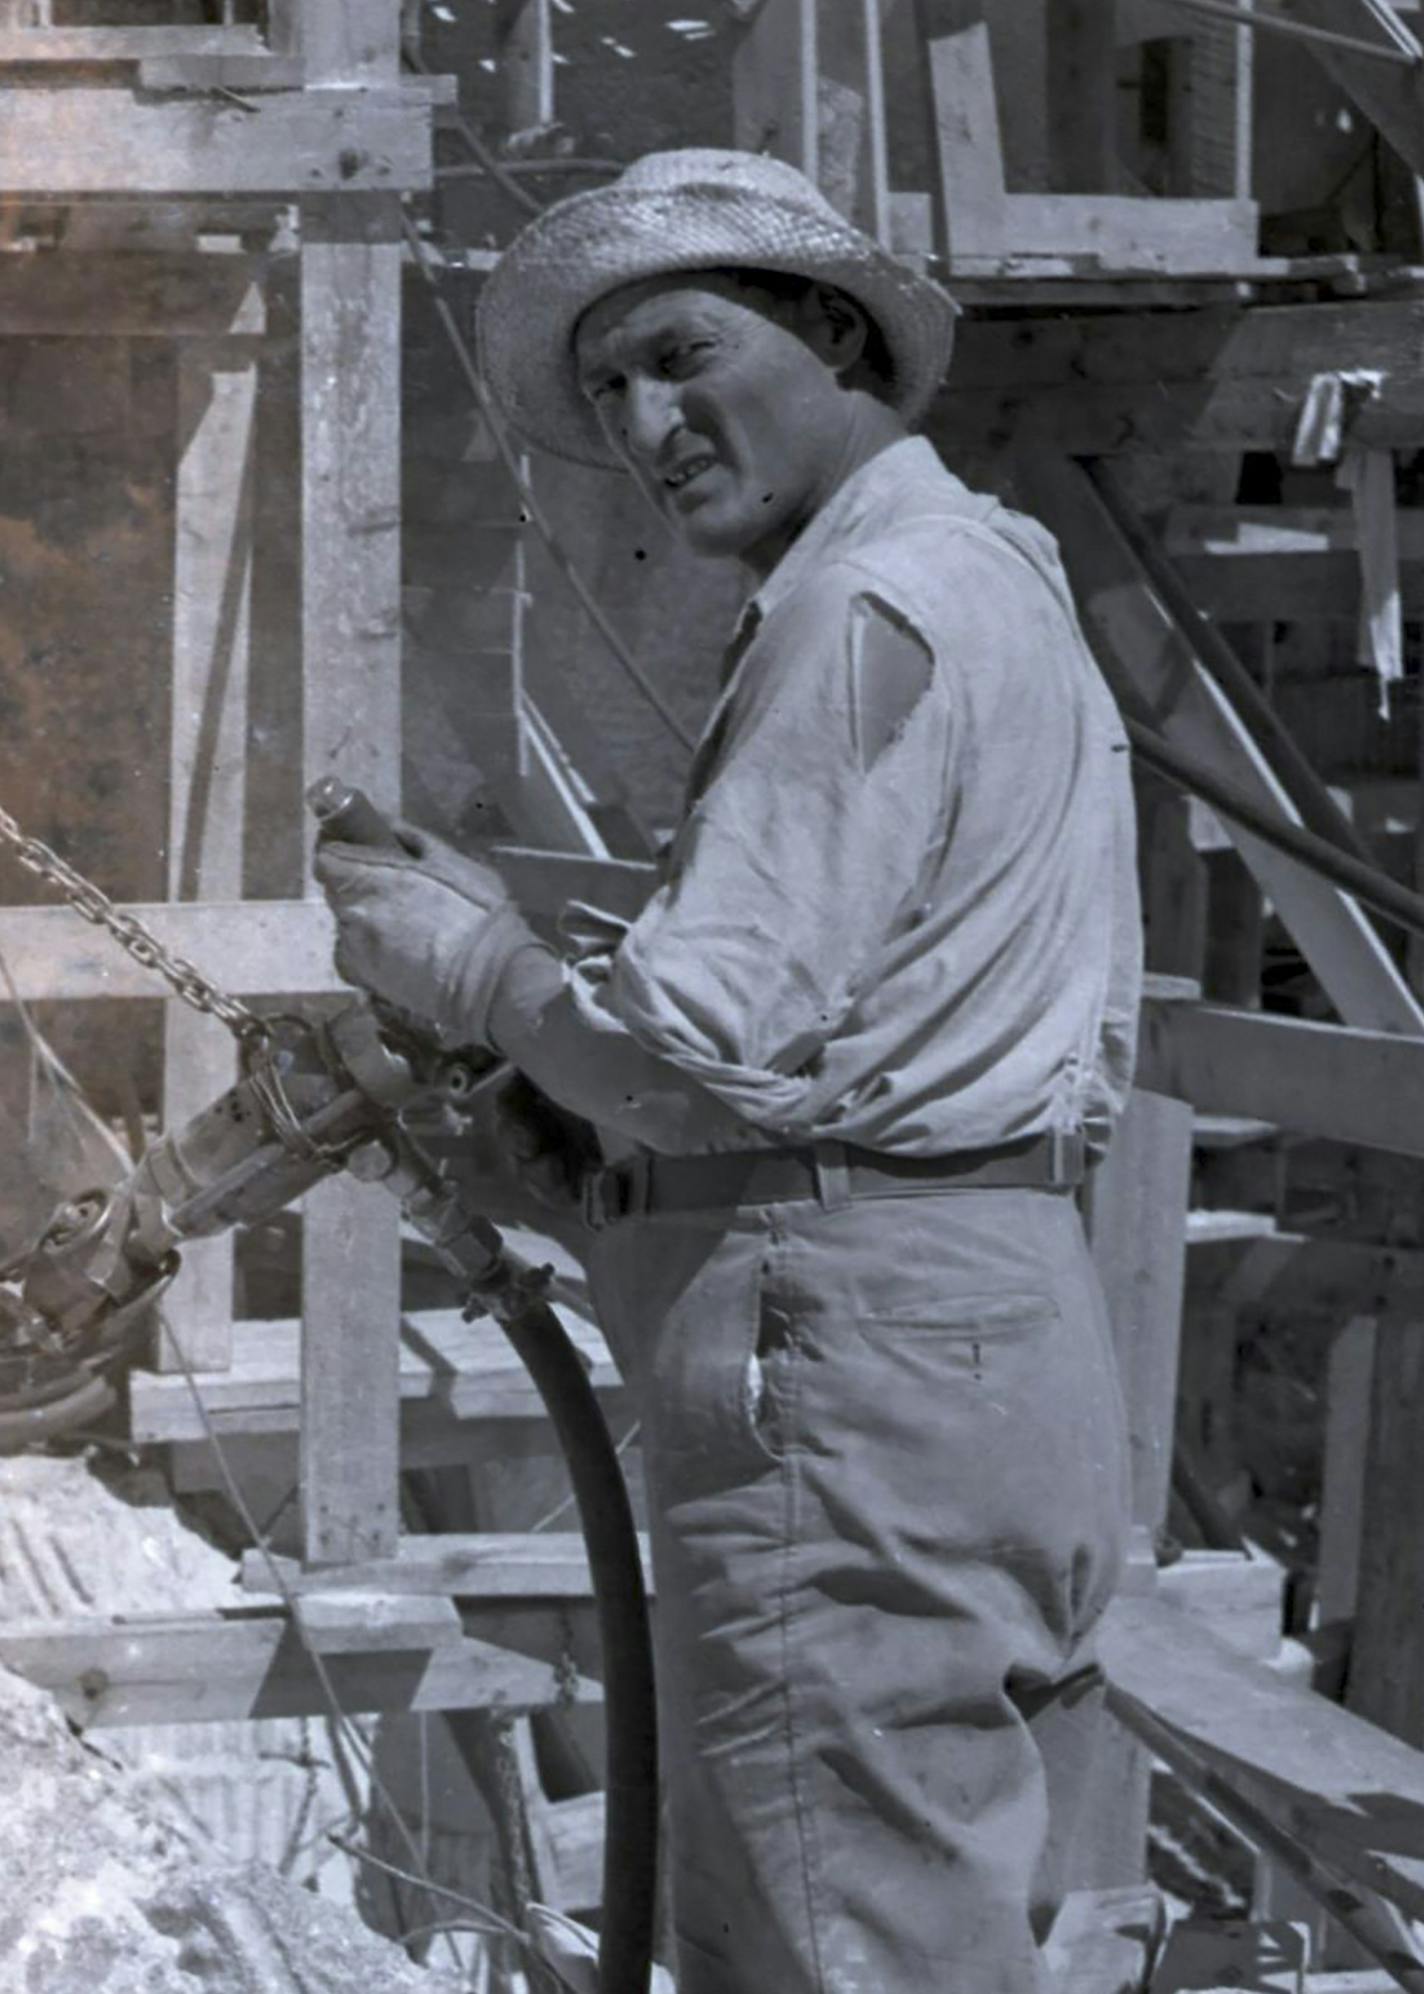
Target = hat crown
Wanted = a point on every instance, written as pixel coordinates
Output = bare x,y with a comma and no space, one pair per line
691,169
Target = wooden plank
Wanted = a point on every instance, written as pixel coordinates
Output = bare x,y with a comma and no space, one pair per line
1150,661
485,1566
350,307
968,195
1348,1390
208,1668
774,94
131,44
374,1623
295,142
131,295
1135,1207
1098,383
350,1424
1121,233
1345,1788
1386,1673
1317,1080
212,578
447,1367
525,54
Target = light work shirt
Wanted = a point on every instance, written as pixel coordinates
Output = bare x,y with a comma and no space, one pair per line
901,910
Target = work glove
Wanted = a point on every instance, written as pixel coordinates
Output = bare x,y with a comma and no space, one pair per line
425,928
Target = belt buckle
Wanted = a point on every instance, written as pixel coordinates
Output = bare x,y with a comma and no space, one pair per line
1065,1157
627,1182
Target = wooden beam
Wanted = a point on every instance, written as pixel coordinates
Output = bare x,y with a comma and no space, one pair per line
1317,1080
1386,1672
351,727
1288,587
525,53
968,195
1152,666
206,1668
549,1565
254,948
1135,1207
131,295
450,1370
1136,1215
1124,234
1099,383
213,501
108,141
1348,1790
132,44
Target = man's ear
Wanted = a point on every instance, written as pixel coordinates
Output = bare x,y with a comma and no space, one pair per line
834,326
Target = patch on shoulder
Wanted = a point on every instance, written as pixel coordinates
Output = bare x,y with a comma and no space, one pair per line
891,670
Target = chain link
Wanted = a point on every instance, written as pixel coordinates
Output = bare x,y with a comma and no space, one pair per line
138,942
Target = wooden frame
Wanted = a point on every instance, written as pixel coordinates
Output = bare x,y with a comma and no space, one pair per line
984,229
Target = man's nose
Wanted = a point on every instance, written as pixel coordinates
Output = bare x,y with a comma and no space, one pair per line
650,414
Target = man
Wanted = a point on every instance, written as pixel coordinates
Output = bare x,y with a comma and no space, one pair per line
879,1010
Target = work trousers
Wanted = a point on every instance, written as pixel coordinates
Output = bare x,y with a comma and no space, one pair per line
887,1477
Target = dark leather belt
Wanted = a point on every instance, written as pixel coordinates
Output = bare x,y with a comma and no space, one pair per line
833,1173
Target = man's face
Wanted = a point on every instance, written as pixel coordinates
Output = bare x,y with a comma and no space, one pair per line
731,422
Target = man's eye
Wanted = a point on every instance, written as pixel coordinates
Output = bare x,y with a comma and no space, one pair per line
683,358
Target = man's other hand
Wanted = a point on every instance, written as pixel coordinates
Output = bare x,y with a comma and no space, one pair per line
424,927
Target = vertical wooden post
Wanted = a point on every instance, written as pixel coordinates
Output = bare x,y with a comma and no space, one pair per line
968,196
1136,1215
217,392
351,725
1386,1682
350,313
526,61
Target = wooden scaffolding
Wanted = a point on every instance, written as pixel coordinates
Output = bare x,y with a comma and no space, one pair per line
236,188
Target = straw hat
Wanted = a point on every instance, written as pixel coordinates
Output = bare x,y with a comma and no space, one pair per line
691,210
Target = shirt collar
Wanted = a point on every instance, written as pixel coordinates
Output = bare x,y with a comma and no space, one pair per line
899,472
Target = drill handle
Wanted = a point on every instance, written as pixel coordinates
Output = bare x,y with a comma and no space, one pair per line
347,815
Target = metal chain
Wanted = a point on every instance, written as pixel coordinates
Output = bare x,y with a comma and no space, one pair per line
137,941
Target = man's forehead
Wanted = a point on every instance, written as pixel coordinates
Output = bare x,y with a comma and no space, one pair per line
652,301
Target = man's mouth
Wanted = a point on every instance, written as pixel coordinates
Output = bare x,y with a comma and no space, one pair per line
679,479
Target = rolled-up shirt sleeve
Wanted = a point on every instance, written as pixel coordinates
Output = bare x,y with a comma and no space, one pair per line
822,793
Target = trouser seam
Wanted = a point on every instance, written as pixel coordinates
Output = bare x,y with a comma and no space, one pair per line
805,1817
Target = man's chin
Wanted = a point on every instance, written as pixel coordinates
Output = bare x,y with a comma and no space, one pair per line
716,536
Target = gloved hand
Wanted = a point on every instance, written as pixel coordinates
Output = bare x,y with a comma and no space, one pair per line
425,928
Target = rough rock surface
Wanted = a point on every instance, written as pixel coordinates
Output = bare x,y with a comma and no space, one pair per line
103,1895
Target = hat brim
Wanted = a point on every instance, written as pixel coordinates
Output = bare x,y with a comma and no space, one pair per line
597,242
